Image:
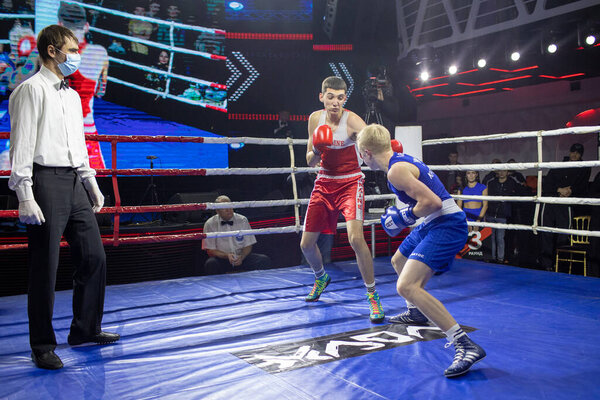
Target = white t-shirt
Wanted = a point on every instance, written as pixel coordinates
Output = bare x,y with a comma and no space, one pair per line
232,244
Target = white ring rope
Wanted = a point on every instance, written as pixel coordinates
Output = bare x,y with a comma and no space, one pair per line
281,203
17,16
267,231
164,94
515,135
153,44
551,200
516,166
220,105
148,19
297,202
169,74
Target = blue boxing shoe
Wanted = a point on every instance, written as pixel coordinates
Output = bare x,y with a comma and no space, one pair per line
467,354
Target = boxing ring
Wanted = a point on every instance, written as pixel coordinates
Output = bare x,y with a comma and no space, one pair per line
251,335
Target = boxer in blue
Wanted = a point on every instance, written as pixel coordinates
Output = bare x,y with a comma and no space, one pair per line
430,247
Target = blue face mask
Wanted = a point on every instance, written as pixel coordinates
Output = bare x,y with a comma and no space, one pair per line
70,65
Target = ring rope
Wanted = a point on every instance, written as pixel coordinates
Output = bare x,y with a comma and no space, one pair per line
188,236
516,166
147,42
148,19
515,135
538,188
166,95
114,139
205,206
16,16
293,176
169,74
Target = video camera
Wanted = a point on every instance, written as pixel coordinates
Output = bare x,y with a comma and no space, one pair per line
376,81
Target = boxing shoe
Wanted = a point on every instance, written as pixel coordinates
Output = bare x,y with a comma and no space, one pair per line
412,316
376,315
320,285
467,354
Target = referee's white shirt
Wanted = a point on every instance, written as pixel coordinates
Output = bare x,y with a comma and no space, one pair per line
46,128
232,244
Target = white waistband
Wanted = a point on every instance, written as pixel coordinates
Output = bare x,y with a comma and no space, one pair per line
449,206
321,175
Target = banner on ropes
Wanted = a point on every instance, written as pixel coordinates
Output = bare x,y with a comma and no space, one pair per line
478,245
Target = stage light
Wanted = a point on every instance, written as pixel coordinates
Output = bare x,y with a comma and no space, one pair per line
552,48
515,55
481,63
452,69
590,40
236,146
424,76
236,5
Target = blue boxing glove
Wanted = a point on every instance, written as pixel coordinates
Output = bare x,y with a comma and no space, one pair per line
394,220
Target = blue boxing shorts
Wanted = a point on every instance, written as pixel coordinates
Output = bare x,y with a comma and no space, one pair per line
437,242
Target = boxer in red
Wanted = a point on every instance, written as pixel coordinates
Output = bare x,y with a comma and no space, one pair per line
90,79
339,187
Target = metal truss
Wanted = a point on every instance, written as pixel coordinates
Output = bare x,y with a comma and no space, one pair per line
441,22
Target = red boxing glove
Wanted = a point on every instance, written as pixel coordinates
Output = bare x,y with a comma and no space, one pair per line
322,137
397,146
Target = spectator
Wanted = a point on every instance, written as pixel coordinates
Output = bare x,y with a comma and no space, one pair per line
492,174
448,178
283,125
231,253
475,209
153,9
164,31
516,175
141,30
561,182
500,211
153,12
458,185
158,81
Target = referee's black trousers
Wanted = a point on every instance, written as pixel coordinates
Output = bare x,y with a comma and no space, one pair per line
67,210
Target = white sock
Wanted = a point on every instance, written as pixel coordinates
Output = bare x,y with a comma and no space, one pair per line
409,304
454,333
370,287
320,272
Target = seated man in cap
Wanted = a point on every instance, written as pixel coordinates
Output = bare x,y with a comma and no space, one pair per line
232,253
561,182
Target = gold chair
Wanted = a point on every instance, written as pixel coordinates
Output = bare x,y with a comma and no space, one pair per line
576,252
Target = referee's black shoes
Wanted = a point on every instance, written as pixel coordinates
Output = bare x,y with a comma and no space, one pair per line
47,360
99,338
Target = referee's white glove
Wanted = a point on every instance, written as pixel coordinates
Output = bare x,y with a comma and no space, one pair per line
95,194
30,213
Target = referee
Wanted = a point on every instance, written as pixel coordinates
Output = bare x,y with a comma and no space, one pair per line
52,179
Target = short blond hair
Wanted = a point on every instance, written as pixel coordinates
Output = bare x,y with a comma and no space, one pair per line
223,199
375,138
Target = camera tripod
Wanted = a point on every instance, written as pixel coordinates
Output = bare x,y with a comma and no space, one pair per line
373,116
151,191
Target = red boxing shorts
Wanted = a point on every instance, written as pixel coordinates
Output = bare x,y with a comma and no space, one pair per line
332,196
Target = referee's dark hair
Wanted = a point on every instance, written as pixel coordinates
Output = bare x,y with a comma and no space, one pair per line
53,35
